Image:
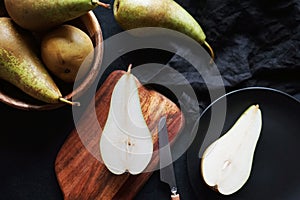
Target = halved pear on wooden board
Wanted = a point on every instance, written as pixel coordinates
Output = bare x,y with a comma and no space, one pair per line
80,173
126,142
226,164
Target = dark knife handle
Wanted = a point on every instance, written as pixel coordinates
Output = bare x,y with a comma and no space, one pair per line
175,197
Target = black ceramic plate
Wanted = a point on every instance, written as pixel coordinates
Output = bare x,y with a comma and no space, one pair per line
276,165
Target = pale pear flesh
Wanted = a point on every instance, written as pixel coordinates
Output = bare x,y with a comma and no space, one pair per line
226,164
126,143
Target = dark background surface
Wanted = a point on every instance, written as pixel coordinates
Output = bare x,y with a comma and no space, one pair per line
256,44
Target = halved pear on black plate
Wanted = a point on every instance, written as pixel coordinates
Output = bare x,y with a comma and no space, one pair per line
226,164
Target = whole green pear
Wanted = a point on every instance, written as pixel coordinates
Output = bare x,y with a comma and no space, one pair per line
40,15
132,14
20,65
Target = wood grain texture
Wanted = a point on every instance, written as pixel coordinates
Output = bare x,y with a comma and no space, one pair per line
79,171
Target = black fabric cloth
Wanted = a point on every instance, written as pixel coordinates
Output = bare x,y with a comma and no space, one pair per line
256,43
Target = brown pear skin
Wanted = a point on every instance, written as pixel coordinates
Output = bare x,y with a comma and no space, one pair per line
41,15
20,65
132,14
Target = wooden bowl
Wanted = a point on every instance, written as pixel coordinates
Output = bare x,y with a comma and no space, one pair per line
14,97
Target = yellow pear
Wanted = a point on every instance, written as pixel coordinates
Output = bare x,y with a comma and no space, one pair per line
67,52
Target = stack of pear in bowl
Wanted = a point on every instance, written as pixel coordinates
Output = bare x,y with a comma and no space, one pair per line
45,46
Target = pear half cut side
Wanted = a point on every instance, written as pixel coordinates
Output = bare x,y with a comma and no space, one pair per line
126,143
226,164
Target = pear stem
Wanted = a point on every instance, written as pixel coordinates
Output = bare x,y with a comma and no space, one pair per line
129,68
211,51
69,102
99,3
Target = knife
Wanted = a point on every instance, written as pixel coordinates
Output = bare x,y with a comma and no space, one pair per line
165,159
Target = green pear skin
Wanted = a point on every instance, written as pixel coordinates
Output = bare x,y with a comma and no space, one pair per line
20,65
41,15
157,13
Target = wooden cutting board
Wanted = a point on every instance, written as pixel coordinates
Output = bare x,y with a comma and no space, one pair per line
81,175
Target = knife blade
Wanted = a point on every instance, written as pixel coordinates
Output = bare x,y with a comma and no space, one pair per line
167,174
